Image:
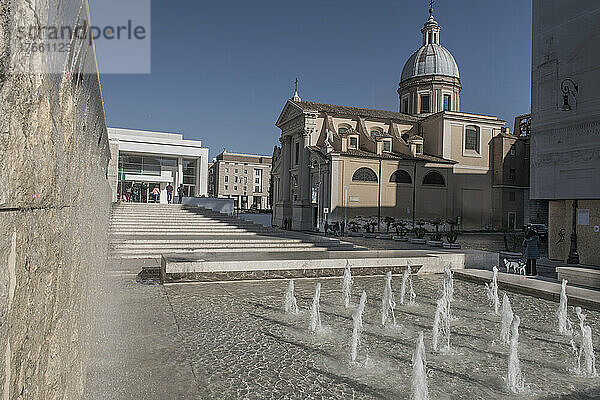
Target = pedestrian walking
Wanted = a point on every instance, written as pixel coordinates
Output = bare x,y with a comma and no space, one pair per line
532,251
180,192
169,193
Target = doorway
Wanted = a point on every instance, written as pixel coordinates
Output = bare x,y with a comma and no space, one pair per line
512,221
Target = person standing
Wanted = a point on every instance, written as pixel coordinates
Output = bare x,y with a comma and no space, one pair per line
135,191
156,193
169,193
180,192
532,251
144,192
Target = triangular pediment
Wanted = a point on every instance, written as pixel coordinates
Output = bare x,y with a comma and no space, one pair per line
289,112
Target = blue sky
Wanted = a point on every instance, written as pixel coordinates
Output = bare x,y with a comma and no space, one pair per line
222,70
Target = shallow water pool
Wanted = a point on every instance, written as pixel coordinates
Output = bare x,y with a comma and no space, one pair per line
241,344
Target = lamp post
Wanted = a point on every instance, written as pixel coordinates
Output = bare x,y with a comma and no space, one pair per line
573,257
565,86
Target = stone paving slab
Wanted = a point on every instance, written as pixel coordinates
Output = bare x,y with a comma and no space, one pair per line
587,298
136,351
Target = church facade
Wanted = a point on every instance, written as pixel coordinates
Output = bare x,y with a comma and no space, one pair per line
426,160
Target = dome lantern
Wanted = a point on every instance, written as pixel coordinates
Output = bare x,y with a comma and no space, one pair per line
430,80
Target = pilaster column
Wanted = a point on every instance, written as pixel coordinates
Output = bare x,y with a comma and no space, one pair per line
285,168
304,169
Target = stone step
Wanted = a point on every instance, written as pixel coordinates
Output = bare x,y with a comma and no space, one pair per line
578,296
580,276
215,231
182,222
183,245
159,251
184,233
179,226
149,273
309,264
156,254
177,218
171,249
226,240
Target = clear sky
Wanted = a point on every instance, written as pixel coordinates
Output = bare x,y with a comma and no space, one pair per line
223,69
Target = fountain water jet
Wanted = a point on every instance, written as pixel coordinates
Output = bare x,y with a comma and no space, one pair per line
441,324
347,285
387,300
586,349
419,390
506,321
442,317
565,327
358,324
514,378
492,291
315,314
289,300
449,283
406,279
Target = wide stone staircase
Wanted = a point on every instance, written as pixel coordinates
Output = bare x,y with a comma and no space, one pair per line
152,230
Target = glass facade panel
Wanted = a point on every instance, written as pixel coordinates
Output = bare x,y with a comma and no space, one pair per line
151,165
132,168
189,177
168,162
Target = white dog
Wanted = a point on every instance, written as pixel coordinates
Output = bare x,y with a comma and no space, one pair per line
517,265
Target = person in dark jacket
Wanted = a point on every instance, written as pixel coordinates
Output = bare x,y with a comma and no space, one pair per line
532,251
180,192
169,193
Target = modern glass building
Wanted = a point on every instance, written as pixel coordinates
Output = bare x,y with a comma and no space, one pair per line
142,161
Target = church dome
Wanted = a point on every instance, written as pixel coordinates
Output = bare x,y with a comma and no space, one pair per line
430,59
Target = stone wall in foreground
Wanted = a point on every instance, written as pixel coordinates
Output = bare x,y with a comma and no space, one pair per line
54,205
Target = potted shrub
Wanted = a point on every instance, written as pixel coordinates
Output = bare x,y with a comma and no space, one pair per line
419,232
452,234
435,238
388,223
401,228
354,228
370,228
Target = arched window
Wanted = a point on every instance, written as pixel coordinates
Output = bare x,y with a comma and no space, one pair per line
364,174
343,130
400,176
434,178
375,133
472,140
